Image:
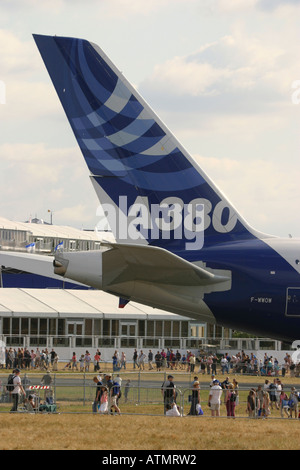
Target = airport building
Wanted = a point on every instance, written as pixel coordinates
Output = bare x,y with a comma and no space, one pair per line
40,312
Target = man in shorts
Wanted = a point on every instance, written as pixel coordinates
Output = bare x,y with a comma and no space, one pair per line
214,399
114,395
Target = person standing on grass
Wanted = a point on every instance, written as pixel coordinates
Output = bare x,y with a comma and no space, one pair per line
103,400
127,386
134,358
251,404
168,391
158,360
150,359
114,395
195,399
230,400
293,403
74,361
17,391
123,360
141,360
98,393
265,408
214,398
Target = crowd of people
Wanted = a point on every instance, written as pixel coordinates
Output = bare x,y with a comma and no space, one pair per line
23,358
271,395
239,363
108,393
165,359
18,391
85,362
260,401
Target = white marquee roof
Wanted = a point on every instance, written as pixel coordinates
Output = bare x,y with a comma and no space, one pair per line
66,303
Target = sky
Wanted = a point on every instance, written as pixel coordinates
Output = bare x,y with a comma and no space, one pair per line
223,75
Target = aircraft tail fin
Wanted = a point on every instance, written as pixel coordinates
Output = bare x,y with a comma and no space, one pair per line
151,189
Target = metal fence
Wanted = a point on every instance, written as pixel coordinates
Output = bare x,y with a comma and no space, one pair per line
141,393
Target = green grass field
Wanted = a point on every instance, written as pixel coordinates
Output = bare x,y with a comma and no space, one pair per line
142,425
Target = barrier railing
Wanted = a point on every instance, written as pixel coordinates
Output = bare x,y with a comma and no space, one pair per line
76,393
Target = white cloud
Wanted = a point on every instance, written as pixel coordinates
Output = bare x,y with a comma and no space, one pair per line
125,8
17,56
235,5
253,188
27,95
35,178
271,5
233,64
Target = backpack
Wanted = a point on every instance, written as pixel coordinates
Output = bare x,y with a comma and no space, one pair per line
233,397
10,383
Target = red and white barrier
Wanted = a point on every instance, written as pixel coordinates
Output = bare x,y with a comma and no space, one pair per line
39,387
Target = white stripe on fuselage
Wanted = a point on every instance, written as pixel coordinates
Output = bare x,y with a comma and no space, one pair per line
288,249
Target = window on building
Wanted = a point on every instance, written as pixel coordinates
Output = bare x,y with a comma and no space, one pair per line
141,328
6,326
184,329
167,328
34,326
52,326
210,330
97,327
176,328
115,328
88,327
219,331
43,326
24,326
15,326
61,327
106,327
158,328
150,328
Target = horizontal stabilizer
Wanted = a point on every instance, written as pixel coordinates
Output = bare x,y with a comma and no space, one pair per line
125,263
146,274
